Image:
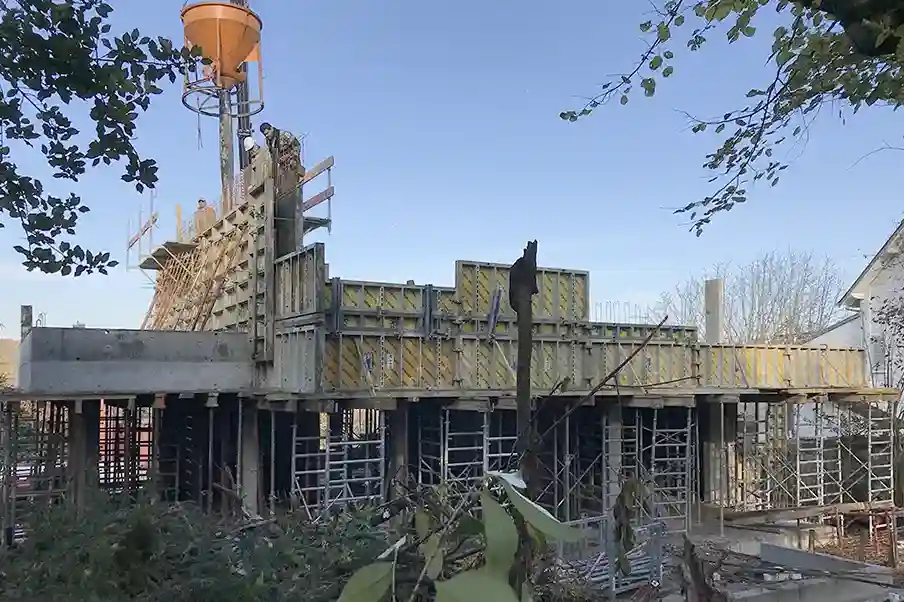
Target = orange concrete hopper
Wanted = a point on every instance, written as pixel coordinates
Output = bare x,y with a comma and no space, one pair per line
228,35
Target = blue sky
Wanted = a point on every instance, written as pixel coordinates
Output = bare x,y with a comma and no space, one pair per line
443,118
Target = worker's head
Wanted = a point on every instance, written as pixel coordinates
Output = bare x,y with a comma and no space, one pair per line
202,203
266,129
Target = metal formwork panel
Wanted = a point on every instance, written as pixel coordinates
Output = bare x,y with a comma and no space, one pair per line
300,280
657,364
298,359
354,295
355,362
232,308
563,294
742,366
365,361
611,331
445,302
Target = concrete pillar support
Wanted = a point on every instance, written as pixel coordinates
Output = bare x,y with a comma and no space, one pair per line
84,448
398,437
249,456
714,310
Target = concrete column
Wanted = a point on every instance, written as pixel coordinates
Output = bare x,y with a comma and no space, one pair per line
84,448
26,319
714,309
250,456
398,437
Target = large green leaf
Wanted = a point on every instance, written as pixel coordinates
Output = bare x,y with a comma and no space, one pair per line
539,518
475,586
422,524
432,550
501,535
369,584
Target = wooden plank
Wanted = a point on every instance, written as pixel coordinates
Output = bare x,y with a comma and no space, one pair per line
318,198
318,169
785,514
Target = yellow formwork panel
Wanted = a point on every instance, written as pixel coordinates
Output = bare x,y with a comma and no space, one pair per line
656,365
762,366
356,362
358,296
563,294
446,302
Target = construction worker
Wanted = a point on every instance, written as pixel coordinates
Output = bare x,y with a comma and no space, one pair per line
286,148
205,217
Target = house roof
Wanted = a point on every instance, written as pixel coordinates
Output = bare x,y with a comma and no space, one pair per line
849,299
834,325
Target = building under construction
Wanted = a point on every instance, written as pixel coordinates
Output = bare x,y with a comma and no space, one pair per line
258,375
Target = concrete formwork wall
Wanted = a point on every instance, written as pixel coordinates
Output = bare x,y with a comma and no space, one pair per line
370,335
314,334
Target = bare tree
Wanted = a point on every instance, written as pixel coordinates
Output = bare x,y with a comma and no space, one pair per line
780,297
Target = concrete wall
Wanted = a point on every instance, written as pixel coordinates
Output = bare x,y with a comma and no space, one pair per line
9,360
60,361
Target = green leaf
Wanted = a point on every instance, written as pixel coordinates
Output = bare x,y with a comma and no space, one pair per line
748,31
623,100
501,535
422,524
663,32
668,71
539,518
432,550
649,86
656,63
475,586
369,583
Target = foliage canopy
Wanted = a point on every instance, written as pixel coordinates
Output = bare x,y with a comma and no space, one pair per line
846,51
59,63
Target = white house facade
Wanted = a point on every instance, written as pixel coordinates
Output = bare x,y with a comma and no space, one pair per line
879,284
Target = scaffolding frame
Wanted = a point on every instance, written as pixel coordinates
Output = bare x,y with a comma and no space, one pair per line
582,463
457,447
125,446
34,437
817,452
193,276
338,459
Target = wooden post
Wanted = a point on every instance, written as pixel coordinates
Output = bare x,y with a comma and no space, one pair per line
522,288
